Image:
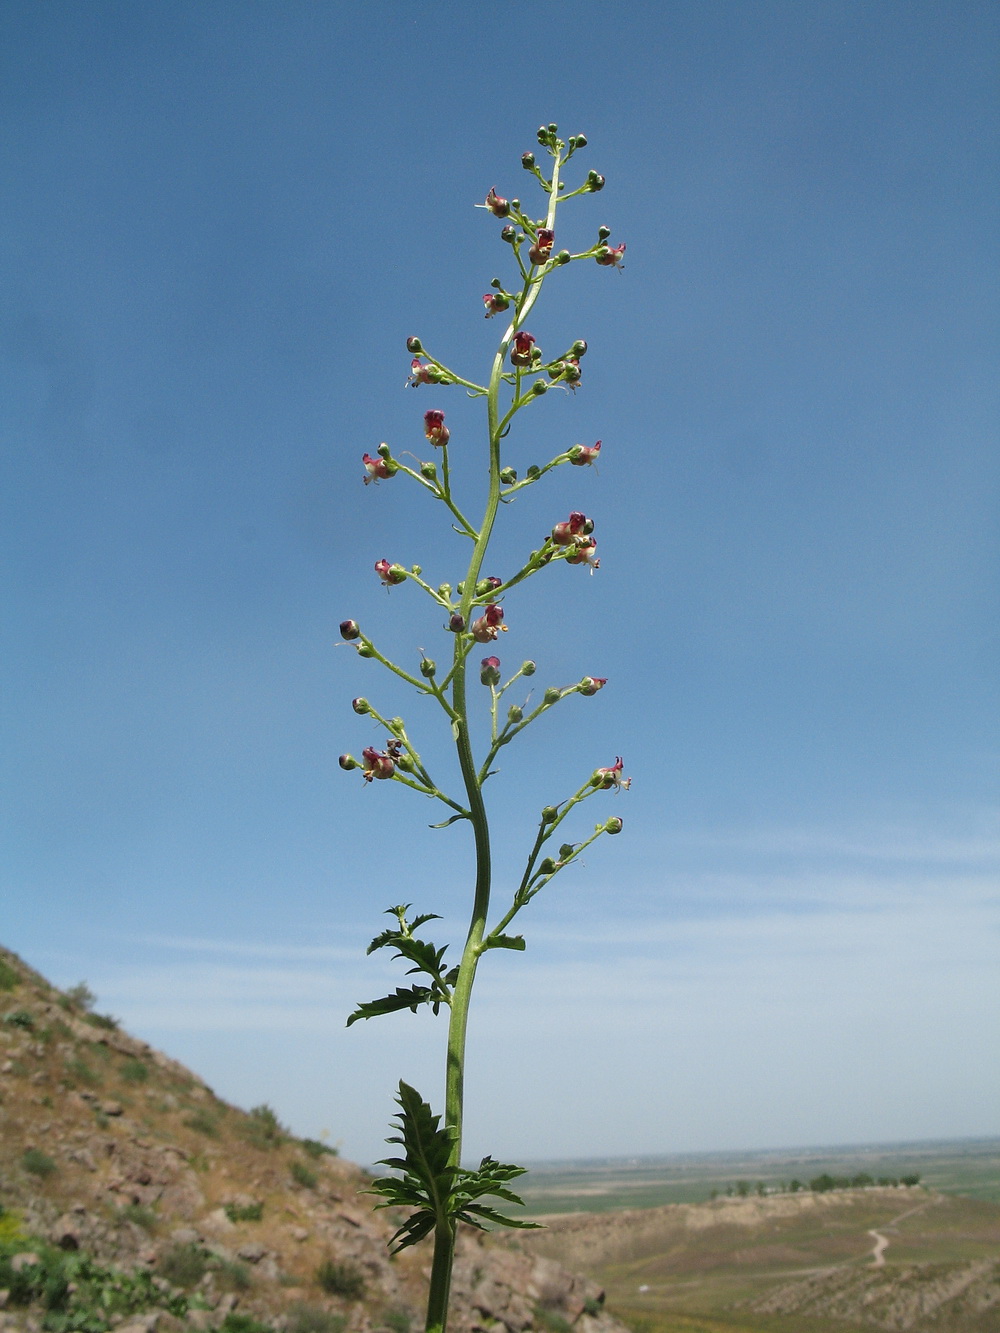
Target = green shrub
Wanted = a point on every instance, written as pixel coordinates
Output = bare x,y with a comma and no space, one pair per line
341,1279
262,1128
134,1071
81,996
549,1320
204,1123
82,1072
139,1214
243,1323
232,1275
593,1306
8,977
247,1212
302,1175
397,1321
304,1318
184,1265
21,1018
106,1021
38,1163
316,1149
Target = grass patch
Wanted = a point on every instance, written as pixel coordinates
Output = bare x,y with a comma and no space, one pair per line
134,1071
313,1148
243,1323
397,1321
105,1021
8,977
184,1265
344,1279
233,1275
304,1318
262,1128
38,1163
302,1175
245,1212
21,1018
139,1214
80,1071
204,1123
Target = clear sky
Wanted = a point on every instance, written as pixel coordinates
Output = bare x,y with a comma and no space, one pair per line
221,222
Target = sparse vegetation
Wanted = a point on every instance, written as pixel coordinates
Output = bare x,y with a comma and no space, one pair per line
135,1071
235,1322
21,1018
106,1021
81,996
304,1318
80,1071
204,1122
233,1275
245,1212
184,1265
139,1214
397,1320
8,977
38,1163
315,1148
262,1127
303,1175
341,1279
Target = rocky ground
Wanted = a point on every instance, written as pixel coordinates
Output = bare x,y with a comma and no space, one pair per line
211,1217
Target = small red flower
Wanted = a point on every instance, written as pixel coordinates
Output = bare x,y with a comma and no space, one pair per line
496,303
542,248
377,764
582,454
389,574
612,777
377,469
591,684
584,554
421,373
567,533
435,429
488,626
520,353
490,671
497,205
612,256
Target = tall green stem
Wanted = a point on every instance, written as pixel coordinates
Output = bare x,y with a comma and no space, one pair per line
444,1236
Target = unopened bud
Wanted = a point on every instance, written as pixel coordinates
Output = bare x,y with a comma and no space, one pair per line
361,706
528,668
539,387
415,346
397,726
566,851
349,629
508,476
578,349
613,825
429,470
347,762
548,866
383,450
416,569
508,233
457,623
552,695
404,762
580,141
549,814
489,672
514,713
428,667
603,233
527,161
365,650
444,589
595,181
563,257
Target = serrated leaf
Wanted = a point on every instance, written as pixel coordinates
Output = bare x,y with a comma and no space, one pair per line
499,1219
410,998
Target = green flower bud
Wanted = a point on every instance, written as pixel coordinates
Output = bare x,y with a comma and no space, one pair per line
563,257
527,161
613,825
595,181
603,233
418,570
528,668
514,714
415,346
361,706
364,650
509,233
347,762
549,814
383,450
539,387
508,476
578,349
548,866
428,667
404,762
444,589
397,726
533,471
429,470
580,141
566,851
552,695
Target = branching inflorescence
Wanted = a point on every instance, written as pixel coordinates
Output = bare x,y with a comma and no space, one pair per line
431,1181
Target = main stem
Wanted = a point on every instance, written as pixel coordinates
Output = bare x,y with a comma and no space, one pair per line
444,1235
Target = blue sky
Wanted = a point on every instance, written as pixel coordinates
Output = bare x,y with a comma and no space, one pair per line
222,221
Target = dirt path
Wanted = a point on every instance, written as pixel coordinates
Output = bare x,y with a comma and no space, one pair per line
882,1242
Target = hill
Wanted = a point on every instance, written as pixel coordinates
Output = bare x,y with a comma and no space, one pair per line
132,1197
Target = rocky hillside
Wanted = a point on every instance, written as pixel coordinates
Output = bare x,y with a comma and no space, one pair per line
132,1197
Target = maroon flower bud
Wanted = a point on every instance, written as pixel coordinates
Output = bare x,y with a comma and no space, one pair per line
361,706
349,629
377,764
488,584
542,248
527,161
389,574
612,255
378,469
489,672
520,353
614,824
435,429
591,684
509,234
457,623
496,303
347,762
415,346
498,207
582,454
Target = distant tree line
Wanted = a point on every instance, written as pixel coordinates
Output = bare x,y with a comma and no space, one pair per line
742,1189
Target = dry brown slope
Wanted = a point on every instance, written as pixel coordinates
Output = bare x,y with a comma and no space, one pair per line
110,1147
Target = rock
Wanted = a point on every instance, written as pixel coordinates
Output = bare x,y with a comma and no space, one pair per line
253,1252
298,1233
185,1236
218,1220
113,1108
67,1232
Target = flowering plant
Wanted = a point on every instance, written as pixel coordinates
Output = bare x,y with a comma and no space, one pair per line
431,1180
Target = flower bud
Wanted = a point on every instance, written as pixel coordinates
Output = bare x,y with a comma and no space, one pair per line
613,825
566,851
528,161
404,762
547,867
428,668
539,387
397,726
528,668
349,629
347,762
361,706
489,672
508,476
595,181
509,234
563,257
489,584
416,569
549,814
389,574
514,714
498,207
457,623
365,650
383,450
578,349
444,589
591,684
415,346
552,695
580,141
582,454
603,233
429,470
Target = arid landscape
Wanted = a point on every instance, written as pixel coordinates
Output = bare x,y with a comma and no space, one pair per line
132,1197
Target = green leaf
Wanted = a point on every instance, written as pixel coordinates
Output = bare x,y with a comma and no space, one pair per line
428,1179
453,820
403,999
506,942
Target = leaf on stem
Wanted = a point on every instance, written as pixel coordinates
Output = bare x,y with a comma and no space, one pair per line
410,998
506,942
